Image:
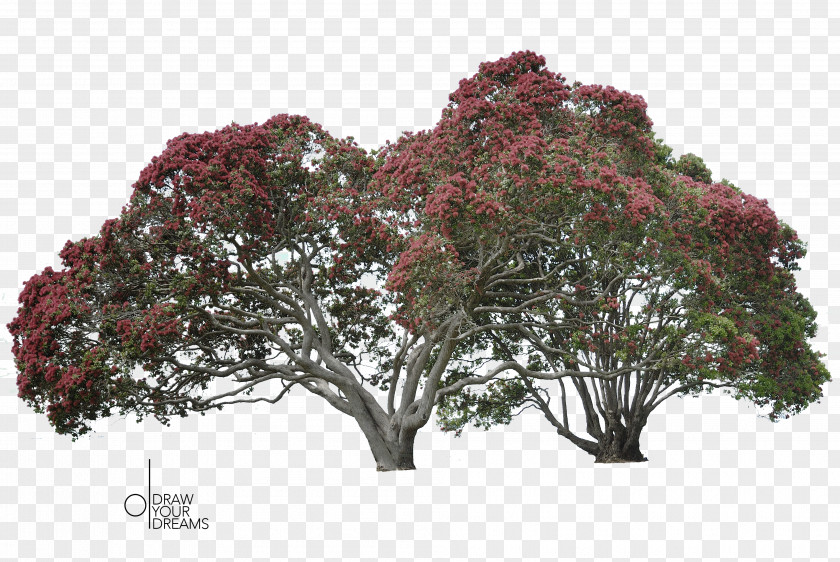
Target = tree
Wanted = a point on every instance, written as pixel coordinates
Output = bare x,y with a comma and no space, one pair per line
539,232
250,256
579,251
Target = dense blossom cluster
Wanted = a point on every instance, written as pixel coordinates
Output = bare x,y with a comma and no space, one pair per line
538,232
205,216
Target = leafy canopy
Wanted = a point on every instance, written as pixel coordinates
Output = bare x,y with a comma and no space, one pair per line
538,232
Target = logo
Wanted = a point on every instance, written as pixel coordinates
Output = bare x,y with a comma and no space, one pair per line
165,510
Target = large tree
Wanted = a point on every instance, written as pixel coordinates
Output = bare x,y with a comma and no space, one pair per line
605,265
250,261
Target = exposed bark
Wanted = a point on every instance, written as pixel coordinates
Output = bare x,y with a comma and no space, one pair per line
391,443
617,441
400,454
620,444
392,450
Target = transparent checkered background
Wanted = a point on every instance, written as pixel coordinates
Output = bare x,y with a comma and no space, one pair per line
90,92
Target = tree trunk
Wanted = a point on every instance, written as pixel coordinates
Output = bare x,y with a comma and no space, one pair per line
616,452
400,455
392,449
620,444
392,446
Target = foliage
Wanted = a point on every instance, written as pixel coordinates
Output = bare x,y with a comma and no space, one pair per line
620,267
206,273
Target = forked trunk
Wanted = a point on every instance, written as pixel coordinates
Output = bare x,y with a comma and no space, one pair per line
619,444
615,452
392,446
392,449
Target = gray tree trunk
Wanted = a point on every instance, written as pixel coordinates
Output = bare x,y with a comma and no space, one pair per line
393,448
400,455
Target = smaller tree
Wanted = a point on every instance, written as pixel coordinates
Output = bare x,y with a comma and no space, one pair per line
634,279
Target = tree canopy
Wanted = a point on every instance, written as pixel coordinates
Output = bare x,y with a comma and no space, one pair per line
539,232
628,274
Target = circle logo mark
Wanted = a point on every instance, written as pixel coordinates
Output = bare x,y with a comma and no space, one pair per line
125,505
